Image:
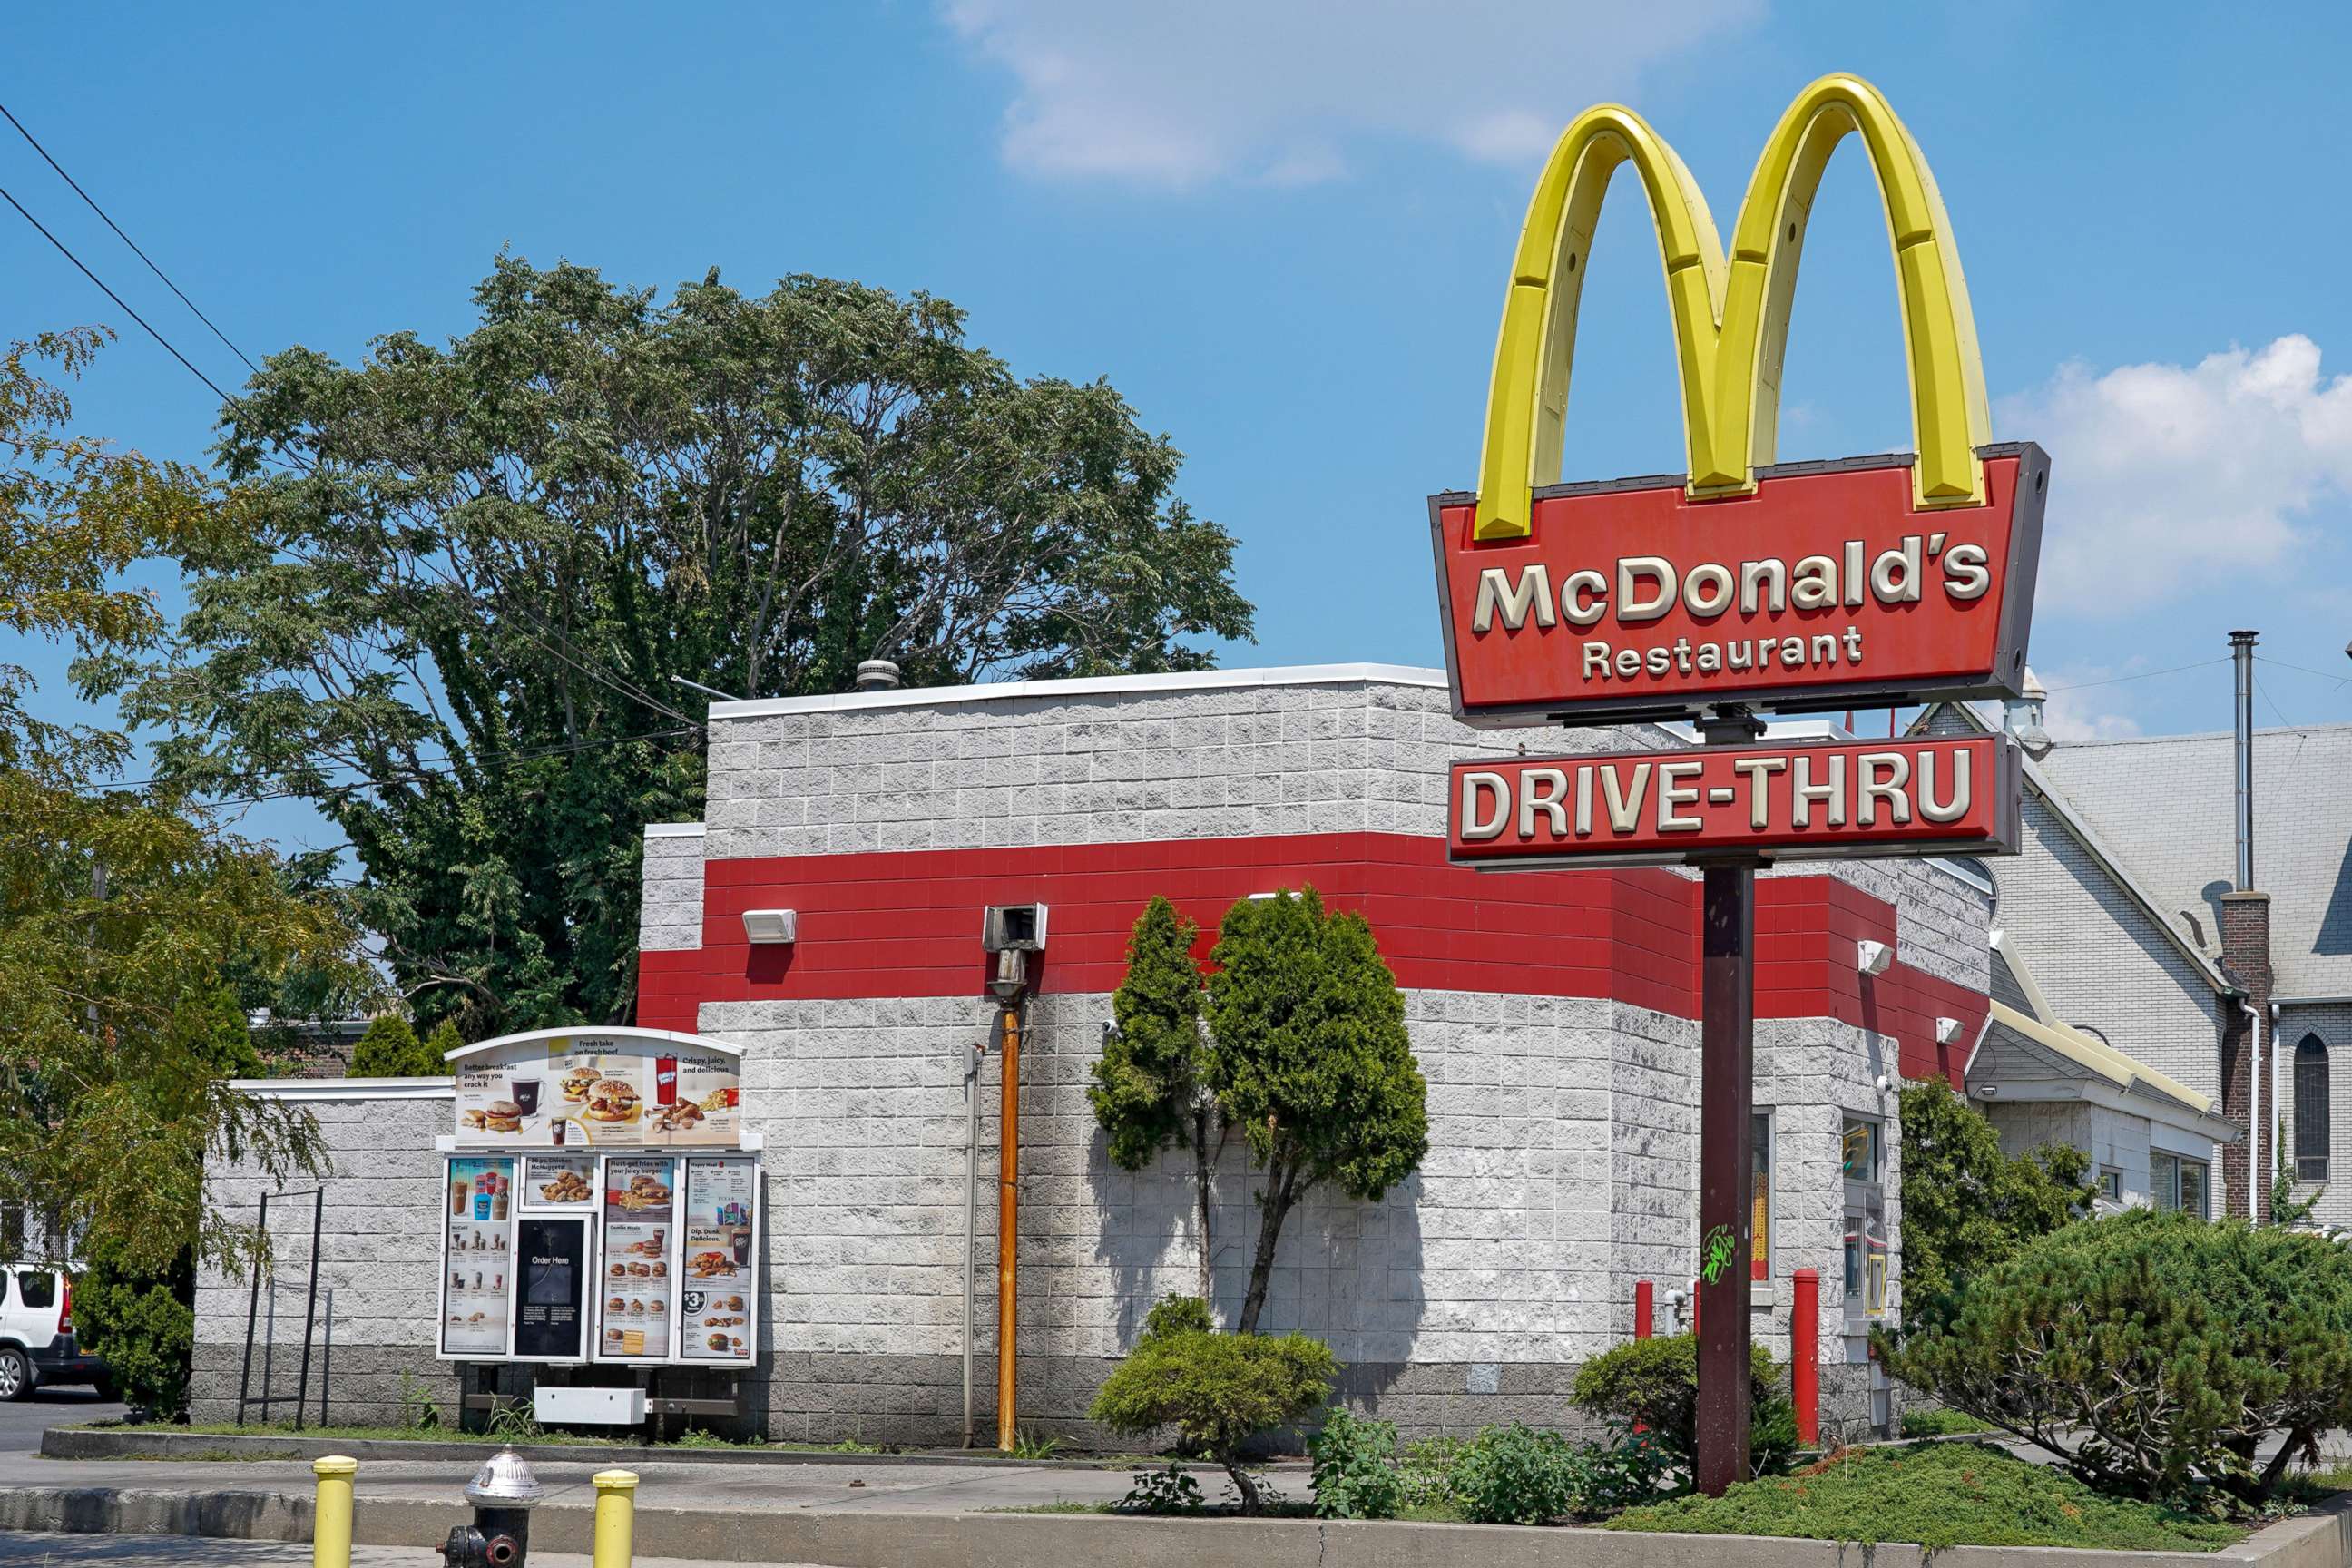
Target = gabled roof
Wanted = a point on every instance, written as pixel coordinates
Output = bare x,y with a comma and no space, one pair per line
1945,717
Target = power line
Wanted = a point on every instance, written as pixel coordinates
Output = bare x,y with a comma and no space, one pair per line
2302,670
119,302
125,238
2143,675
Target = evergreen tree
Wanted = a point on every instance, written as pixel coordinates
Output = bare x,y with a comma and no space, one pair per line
390,1048
1311,1061
1150,1091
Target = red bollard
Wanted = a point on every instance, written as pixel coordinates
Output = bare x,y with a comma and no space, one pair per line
1805,1354
1692,1299
1641,1309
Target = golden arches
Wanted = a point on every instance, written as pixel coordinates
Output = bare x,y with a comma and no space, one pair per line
1731,320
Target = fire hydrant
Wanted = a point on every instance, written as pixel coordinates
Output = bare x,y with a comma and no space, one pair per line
503,1493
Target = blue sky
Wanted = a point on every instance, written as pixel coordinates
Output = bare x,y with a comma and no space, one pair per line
1282,230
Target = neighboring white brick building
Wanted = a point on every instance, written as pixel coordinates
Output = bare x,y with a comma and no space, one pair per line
1553,1013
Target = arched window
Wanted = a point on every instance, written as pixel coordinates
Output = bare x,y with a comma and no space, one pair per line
2311,1110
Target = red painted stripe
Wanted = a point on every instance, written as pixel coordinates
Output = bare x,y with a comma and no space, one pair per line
908,924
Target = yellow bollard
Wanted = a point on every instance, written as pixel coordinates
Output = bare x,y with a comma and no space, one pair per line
331,1516
616,1517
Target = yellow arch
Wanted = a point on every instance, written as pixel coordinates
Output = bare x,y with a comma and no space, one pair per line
1731,320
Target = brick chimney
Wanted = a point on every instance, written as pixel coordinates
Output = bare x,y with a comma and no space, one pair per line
2246,1046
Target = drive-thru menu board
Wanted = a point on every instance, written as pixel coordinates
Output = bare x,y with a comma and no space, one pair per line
477,1265
575,1234
640,1223
718,1310
595,1092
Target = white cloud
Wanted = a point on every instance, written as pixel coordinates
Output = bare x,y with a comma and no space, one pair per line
2165,478
1179,95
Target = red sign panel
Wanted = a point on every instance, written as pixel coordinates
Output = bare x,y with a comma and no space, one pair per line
1825,587
1790,800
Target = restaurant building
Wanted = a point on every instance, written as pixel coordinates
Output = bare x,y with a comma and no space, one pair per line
824,922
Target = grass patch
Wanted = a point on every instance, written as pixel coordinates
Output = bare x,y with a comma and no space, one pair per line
1939,1422
1950,1494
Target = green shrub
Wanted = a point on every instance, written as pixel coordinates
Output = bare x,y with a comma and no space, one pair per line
144,1324
1425,1469
1516,1475
1179,1315
2154,1352
390,1048
1937,1421
1654,1384
1356,1474
1168,1491
1630,1470
1218,1391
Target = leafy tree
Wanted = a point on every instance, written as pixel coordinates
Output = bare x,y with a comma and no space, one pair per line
2155,1353
1218,1391
130,923
390,1048
1967,1205
1150,1089
1311,1061
143,1322
454,624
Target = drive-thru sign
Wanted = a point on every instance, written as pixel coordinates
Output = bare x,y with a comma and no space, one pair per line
1740,586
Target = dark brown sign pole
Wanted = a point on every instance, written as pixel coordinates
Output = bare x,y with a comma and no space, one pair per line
1726,1215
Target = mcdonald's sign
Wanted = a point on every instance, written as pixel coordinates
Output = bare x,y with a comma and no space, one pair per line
1800,585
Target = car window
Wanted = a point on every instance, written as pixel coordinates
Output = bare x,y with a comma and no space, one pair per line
37,1288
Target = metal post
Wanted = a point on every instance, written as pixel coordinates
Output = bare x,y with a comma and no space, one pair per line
1805,1353
330,1513
327,1358
252,1312
1008,1236
1727,1179
970,1216
269,1345
311,1312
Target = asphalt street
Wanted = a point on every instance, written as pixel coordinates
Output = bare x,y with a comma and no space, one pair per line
23,1421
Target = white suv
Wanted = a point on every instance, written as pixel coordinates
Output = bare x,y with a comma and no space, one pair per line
36,1335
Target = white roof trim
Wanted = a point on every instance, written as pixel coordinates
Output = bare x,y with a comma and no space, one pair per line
2156,1109
320,1089
651,1037
2019,972
1089,686
2092,1056
675,829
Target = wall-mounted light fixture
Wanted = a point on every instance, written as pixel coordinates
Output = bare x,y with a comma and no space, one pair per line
1947,1030
771,925
1013,928
1873,957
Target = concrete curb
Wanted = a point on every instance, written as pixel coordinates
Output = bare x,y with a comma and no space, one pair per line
97,1442
889,1540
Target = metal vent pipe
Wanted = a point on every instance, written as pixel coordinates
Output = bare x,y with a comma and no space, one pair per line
2241,654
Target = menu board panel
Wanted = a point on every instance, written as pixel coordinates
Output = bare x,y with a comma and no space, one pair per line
717,1307
478,1263
559,1181
593,1091
639,1209
550,1321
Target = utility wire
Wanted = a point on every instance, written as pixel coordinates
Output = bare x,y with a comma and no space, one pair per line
67,252
2302,670
2143,675
618,682
126,240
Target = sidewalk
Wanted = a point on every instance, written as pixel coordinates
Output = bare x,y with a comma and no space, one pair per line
27,1551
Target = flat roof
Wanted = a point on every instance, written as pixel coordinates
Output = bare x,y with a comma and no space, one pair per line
1089,686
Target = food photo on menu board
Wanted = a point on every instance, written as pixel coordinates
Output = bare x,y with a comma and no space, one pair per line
478,1264
588,1092
721,1247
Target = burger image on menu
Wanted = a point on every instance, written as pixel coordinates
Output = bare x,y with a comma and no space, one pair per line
611,1100
578,1081
503,1116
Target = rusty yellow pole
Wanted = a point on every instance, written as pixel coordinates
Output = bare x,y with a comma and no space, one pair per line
1008,1237
616,1518
330,1514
